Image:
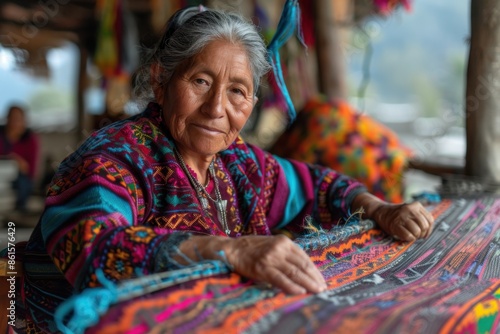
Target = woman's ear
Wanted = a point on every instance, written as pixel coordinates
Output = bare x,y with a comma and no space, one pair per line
157,84
255,100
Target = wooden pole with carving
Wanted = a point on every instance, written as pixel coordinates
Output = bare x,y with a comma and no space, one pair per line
483,92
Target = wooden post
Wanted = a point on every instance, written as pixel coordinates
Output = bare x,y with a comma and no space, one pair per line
483,92
330,16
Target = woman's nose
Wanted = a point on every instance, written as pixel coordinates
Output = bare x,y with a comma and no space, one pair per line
215,104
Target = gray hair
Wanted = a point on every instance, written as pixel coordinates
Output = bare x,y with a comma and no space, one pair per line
186,34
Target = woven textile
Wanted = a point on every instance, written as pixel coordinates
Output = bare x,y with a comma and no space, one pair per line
333,134
448,283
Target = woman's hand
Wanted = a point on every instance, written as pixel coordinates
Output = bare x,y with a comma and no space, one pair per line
272,259
406,222
278,261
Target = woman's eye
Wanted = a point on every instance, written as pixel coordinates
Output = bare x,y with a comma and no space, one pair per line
238,91
201,81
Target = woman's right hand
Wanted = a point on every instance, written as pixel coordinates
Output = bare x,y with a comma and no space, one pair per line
275,260
271,259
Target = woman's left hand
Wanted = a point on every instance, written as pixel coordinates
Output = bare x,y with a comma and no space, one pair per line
406,222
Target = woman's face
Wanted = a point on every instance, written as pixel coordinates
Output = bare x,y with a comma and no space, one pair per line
209,99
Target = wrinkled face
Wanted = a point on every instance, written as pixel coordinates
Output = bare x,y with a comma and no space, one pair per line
209,99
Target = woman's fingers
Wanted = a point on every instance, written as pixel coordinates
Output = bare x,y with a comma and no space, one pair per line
303,271
430,220
278,279
424,225
423,218
403,233
411,221
294,279
277,260
291,261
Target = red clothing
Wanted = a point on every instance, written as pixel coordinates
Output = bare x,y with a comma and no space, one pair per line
27,148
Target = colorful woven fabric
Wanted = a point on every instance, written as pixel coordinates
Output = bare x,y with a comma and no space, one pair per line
448,283
118,198
333,134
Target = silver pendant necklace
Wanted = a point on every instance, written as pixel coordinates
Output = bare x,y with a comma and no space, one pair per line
220,204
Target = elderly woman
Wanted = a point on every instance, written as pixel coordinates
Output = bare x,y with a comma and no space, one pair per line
176,182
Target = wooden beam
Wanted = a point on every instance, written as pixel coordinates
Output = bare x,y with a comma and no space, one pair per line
483,92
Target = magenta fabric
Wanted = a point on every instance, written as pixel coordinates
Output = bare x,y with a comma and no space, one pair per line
27,147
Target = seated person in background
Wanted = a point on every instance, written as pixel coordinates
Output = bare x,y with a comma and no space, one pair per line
178,180
19,143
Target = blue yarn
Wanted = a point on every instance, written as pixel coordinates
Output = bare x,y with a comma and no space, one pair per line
289,21
324,238
428,197
85,309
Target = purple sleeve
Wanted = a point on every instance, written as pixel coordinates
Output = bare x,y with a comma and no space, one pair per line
94,219
295,190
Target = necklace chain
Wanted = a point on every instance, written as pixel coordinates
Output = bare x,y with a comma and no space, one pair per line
220,204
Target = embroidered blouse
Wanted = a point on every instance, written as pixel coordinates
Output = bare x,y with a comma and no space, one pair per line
115,201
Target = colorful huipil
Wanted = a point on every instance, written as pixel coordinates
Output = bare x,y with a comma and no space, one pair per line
122,195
